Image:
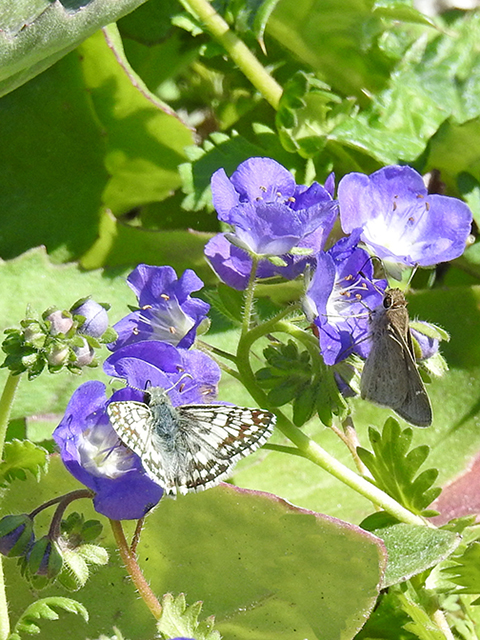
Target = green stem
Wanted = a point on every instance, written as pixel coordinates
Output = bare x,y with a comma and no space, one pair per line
4,619
130,561
309,448
320,457
237,50
249,297
6,403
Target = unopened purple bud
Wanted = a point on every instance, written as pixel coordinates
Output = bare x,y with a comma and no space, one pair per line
428,345
96,318
16,535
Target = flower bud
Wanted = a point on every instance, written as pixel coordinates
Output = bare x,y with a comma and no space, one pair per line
58,355
34,335
84,354
16,535
45,558
427,345
59,322
96,317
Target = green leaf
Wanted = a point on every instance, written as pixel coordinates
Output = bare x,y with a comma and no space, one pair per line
44,609
421,622
145,140
400,10
125,143
228,302
24,53
291,376
179,620
413,549
387,620
395,468
308,112
21,457
272,546
326,38
466,571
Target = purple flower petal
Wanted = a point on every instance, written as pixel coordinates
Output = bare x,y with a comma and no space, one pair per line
92,452
339,296
400,222
190,377
167,312
271,216
255,180
269,213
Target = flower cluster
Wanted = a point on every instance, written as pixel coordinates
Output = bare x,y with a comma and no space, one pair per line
152,349
389,213
60,339
274,228
271,217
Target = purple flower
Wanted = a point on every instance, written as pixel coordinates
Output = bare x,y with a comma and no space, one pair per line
399,221
338,300
270,216
167,312
190,377
92,452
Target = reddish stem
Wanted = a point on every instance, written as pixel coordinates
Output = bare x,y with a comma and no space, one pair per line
131,564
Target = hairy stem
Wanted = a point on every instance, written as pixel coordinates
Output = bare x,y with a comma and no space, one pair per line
6,403
130,561
249,297
66,499
236,49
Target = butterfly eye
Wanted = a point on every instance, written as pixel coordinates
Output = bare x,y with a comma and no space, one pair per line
387,301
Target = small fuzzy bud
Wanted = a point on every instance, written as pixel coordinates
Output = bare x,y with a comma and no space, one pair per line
84,354
34,335
60,323
58,355
45,558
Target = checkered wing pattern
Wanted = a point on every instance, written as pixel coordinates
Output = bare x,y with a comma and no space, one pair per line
216,437
134,426
201,449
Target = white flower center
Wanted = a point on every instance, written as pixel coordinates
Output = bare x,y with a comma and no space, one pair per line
102,454
169,323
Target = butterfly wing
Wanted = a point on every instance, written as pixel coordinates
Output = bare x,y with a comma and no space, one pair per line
416,407
132,422
390,378
214,438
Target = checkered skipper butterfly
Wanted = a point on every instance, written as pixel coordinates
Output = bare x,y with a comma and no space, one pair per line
191,447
